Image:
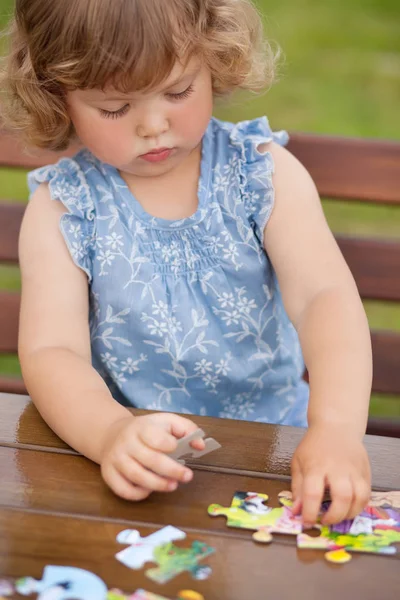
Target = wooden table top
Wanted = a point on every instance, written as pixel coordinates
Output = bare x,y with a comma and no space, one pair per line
55,509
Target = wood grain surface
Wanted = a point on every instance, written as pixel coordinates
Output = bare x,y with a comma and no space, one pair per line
242,569
251,449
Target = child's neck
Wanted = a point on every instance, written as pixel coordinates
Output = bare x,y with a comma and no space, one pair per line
173,195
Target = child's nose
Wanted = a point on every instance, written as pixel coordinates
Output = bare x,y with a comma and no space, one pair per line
152,126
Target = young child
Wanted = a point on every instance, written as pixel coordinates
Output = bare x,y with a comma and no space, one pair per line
177,262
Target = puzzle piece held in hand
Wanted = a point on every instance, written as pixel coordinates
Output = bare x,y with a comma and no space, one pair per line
248,511
158,548
185,449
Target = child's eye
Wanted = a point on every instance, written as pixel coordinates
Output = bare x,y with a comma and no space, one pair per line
181,95
114,114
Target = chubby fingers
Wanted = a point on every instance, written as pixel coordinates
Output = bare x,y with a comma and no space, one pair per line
180,427
342,494
312,493
121,486
160,463
349,498
297,486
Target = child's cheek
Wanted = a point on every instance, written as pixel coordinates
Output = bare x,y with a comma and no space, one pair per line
192,119
109,140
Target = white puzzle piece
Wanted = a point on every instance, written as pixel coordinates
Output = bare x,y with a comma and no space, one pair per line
141,549
63,583
184,448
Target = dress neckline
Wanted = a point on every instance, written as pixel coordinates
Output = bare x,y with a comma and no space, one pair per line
129,198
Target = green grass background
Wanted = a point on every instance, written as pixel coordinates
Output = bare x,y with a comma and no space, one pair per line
340,74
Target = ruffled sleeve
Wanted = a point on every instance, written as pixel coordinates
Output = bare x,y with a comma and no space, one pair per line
68,185
256,169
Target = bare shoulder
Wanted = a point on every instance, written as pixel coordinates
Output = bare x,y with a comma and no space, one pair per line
40,225
42,206
290,175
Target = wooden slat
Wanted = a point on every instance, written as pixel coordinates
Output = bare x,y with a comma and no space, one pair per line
13,154
10,221
350,168
12,385
386,353
384,427
240,568
9,316
375,265
357,169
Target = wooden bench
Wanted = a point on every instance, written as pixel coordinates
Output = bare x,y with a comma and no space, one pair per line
343,168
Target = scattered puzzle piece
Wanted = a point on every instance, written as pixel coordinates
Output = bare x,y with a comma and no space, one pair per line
158,548
185,449
173,560
141,550
6,588
248,511
387,499
56,590
338,557
183,595
63,583
374,530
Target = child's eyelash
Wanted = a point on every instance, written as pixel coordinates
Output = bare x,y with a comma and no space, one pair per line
185,94
114,114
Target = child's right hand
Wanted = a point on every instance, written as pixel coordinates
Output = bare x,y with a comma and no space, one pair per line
134,459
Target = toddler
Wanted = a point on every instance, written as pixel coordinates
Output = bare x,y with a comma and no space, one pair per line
177,263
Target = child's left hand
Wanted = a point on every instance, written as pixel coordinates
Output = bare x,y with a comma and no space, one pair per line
330,457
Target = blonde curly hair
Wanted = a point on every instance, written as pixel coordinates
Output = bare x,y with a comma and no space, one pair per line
57,46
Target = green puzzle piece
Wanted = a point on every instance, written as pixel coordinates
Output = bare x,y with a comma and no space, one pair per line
248,511
173,560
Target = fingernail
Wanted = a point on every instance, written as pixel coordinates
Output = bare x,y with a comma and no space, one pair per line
172,486
307,525
187,476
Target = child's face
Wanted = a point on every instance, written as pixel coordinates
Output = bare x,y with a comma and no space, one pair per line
121,129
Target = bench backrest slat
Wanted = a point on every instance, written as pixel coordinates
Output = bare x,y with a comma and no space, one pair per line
353,169
9,311
375,265
10,222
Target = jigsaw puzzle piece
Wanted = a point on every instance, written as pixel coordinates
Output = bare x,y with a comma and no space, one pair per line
141,550
64,583
6,588
143,595
173,561
185,449
374,530
248,511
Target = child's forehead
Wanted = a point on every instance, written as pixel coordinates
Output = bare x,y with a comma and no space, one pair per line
180,72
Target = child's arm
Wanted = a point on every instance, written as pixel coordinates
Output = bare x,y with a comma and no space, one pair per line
55,355
322,301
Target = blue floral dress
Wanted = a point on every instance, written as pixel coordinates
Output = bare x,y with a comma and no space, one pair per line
186,315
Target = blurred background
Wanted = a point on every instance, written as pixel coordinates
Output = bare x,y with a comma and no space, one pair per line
340,75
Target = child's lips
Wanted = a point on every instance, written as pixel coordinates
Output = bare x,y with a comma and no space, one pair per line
157,155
